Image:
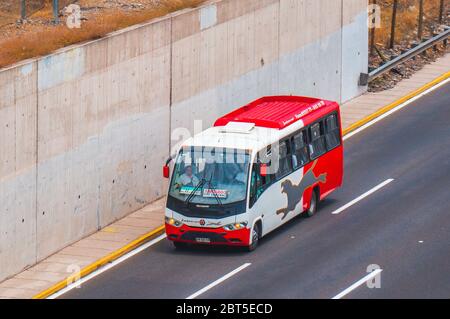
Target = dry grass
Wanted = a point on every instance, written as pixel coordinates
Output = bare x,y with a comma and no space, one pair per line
407,20
44,39
31,40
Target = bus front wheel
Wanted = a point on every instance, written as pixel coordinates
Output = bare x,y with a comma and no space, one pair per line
256,234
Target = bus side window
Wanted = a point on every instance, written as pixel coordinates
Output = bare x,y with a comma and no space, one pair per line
254,185
285,159
332,132
317,146
258,184
265,158
269,178
300,156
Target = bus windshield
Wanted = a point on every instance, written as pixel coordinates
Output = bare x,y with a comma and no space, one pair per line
210,176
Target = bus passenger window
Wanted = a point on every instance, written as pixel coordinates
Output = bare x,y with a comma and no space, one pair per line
254,185
258,184
301,157
267,180
264,158
333,137
317,146
285,160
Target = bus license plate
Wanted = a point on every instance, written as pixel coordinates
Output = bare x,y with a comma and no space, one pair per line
203,240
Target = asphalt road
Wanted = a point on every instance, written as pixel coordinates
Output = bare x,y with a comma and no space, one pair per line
403,227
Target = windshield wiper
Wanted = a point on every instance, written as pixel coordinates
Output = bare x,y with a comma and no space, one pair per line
196,188
200,185
214,191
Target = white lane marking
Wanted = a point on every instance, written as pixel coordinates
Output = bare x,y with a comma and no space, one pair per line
358,283
362,128
358,199
218,281
106,267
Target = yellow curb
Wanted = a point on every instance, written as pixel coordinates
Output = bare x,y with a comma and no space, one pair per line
99,263
393,105
144,238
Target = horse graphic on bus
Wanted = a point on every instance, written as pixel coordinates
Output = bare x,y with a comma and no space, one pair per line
295,192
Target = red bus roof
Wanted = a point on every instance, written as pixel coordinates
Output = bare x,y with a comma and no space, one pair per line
279,111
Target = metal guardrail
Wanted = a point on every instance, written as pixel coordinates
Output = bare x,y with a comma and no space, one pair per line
366,78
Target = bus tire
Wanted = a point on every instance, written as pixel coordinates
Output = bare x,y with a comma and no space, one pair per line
256,235
312,210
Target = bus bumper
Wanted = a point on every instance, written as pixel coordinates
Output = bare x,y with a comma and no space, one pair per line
208,236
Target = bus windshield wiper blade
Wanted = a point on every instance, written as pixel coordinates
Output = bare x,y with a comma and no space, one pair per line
214,191
192,194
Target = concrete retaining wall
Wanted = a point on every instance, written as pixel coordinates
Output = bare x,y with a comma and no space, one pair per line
84,132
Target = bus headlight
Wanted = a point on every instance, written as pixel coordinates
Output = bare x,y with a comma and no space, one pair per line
173,222
236,226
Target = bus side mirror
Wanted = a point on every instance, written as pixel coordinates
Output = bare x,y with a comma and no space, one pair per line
166,168
263,170
166,171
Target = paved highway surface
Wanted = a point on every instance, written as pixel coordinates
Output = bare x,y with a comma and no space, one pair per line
403,225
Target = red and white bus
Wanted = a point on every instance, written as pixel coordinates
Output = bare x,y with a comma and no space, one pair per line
256,169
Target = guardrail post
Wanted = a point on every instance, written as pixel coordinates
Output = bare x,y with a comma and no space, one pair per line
393,24
23,10
441,12
372,34
55,11
420,31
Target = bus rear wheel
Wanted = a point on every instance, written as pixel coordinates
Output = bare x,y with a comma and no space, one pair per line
312,210
256,234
